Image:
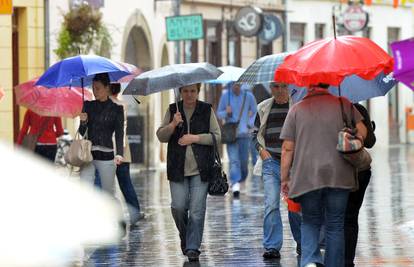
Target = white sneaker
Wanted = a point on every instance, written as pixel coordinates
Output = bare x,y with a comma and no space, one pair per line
236,189
311,265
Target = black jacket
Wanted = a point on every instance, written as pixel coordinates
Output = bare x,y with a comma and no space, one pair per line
204,156
104,118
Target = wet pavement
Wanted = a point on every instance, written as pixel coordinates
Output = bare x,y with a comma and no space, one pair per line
233,228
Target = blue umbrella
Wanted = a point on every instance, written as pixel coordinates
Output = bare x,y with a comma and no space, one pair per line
80,70
354,88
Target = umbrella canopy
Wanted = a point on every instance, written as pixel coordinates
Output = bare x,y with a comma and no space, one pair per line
80,70
171,76
403,52
262,71
230,74
59,102
1,93
354,88
332,59
57,215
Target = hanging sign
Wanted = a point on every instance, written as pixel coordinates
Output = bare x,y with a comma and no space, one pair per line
248,21
272,28
6,7
188,27
355,18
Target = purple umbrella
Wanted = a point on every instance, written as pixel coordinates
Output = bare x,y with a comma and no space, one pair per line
403,52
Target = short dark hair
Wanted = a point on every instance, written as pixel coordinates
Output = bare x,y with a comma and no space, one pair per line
115,88
103,78
198,87
323,85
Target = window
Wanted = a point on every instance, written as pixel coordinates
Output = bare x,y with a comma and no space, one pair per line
319,31
233,46
263,49
297,35
190,51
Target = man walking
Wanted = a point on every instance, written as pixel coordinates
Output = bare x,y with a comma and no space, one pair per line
237,105
270,117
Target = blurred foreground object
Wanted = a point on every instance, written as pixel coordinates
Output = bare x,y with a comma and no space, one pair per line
47,217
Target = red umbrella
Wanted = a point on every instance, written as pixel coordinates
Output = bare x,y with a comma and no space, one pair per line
332,59
54,102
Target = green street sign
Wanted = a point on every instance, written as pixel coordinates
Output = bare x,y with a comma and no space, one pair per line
188,27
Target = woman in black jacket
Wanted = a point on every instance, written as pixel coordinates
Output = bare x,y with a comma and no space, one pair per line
99,120
357,197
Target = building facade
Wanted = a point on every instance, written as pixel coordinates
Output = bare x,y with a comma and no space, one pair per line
312,20
22,58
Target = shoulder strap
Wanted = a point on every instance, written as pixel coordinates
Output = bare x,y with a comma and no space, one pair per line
215,150
242,107
344,117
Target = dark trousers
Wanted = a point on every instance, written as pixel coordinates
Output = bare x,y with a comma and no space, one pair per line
47,152
351,217
127,188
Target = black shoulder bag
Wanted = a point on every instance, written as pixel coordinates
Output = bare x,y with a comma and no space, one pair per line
229,129
218,185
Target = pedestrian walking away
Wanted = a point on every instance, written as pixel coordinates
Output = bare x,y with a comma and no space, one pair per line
271,114
123,170
238,105
187,128
44,130
316,175
357,197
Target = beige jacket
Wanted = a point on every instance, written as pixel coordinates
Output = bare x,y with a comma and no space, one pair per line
127,152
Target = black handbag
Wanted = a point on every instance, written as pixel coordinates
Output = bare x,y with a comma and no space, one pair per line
229,129
218,185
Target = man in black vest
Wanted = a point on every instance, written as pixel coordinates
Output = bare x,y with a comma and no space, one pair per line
189,162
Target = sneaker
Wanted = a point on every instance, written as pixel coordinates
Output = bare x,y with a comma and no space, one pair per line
192,255
271,253
299,249
311,265
236,189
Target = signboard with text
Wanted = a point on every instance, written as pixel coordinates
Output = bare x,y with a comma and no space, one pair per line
188,27
6,7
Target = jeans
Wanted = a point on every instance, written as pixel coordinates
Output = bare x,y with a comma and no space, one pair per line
106,170
253,152
238,153
351,217
327,204
272,224
188,208
127,189
47,152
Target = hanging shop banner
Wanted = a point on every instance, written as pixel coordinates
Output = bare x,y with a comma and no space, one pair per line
272,28
355,18
248,21
6,7
188,27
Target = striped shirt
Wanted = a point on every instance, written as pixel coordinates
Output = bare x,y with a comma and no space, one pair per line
274,126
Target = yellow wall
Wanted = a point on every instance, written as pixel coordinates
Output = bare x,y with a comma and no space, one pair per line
31,56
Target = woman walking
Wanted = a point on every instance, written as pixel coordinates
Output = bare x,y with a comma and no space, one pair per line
99,121
190,157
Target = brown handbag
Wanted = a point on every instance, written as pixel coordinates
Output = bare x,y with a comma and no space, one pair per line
29,140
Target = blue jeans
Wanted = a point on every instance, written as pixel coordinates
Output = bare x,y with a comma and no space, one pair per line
188,207
238,153
127,189
253,152
329,205
272,225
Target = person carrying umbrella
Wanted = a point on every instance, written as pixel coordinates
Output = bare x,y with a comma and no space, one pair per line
45,130
99,121
238,106
188,127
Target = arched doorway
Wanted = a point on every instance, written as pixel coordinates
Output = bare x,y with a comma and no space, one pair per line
137,50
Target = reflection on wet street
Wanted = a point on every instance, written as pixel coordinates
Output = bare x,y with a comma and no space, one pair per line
233,229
